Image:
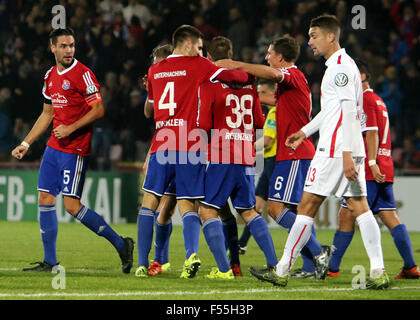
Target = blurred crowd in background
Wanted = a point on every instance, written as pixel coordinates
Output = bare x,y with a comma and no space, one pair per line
115,39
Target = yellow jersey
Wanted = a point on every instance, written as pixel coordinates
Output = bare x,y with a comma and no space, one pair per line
270,131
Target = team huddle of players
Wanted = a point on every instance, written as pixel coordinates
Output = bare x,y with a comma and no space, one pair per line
212,101
207,111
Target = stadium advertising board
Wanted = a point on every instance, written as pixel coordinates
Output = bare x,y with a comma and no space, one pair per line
112,195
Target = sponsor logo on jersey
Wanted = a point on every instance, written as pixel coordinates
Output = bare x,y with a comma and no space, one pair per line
277,195
341,79
58,100
65,85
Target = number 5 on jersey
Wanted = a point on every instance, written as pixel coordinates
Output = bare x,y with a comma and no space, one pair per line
171,104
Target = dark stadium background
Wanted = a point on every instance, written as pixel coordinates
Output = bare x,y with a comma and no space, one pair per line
115,39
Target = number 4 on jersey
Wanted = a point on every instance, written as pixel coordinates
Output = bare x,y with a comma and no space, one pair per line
171,104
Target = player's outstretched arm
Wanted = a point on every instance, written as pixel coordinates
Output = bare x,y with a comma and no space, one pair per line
41,124
96,112
257,70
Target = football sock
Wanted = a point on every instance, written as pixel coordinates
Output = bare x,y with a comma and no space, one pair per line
191,231
230,231
49,229
307,256
97,224
298,236
213,232
246,234
145,221
371,236
286,219
340,243
163,232
403,244
262,236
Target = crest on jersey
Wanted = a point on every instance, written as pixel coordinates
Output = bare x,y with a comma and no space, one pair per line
341,79
65,85
91,89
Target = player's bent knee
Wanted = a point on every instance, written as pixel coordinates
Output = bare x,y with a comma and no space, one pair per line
72,205
45,199
275,208
390,219
248,214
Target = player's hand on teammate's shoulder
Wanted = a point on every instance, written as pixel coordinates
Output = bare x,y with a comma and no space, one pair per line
295,139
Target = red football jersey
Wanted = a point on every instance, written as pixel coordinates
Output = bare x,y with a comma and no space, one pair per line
377,119
71,93
232,114
173,89
293,112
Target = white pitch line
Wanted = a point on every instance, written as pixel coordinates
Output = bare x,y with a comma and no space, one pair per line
181,293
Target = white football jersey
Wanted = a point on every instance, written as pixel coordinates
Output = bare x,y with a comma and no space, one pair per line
341,81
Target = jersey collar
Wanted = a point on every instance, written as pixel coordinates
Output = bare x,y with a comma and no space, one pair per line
334,56
68,69
174,56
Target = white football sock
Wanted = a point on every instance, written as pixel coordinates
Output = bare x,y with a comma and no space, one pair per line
371,236
298,236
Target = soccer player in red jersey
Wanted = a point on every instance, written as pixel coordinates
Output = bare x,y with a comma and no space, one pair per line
230,115
379,168
176,147
293,101
72,101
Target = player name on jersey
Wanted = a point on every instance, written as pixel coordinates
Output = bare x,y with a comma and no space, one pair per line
242,136
170,123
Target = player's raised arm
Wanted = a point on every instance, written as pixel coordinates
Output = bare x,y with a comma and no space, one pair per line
41,124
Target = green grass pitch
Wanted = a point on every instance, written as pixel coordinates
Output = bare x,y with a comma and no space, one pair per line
92,270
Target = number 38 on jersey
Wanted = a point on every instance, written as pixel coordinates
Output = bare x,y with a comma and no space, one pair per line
241,108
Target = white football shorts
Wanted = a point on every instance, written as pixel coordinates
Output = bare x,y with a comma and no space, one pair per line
326,177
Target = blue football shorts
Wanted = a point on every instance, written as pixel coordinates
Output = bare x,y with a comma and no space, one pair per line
230,180
62,172
176,171
288,180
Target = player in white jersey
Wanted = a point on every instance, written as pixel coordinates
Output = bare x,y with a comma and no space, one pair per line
338,164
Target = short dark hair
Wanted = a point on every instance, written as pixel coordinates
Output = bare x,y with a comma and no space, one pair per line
328,23
185,32
162,51
270,83
363,67
220,48
55,33
288,47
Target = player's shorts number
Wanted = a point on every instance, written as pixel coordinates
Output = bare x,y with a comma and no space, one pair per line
279,182
66,174
240,111
171,104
